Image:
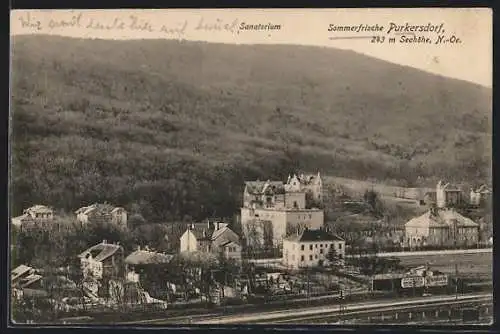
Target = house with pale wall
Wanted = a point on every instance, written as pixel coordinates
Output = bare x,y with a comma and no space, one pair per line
283,206
446,195
212,237
103,261
35,215
308,183
441,227
102,213
479,195
310,248
144,259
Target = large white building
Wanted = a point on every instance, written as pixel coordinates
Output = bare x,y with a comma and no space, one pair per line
272,209
310,248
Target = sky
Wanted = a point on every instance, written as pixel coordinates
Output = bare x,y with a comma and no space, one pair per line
470,59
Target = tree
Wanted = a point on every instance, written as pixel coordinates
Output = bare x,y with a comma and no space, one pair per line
372,198
334,259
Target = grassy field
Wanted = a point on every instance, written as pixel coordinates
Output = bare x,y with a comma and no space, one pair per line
404,194
468,265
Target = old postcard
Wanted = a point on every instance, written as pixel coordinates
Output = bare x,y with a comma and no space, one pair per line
251,166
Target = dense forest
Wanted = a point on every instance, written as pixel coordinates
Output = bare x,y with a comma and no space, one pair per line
172,129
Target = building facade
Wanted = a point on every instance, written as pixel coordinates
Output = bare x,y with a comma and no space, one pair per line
34,216
272,209
103,261
441,227
282,221
308,183
448,195
479,195
211,237
102,213
310,248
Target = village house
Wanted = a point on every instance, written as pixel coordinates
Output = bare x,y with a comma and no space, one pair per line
310,248
35,215
102,213
213,237
479,195
284,206
443,227
143,260
446,195
104,260
25,277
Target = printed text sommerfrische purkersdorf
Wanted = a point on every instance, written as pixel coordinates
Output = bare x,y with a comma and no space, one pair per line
392,33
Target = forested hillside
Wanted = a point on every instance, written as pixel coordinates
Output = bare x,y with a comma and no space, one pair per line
176,127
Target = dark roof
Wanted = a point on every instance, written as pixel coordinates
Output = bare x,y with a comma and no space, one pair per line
201,230
229,242
102,251
306,179
147,257
258,187
314,235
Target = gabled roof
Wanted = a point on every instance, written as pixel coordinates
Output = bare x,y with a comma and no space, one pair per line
19,271
260,187
201,231
20,219
229,242
40,208
448,186
217,233
484,189
314,235
103,208
307,179
101,252
441,218
117,208
29,280
147,257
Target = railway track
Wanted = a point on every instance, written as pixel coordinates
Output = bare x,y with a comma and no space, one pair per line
364,308
349,314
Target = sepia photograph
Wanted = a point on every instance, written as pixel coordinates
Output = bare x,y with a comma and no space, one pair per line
251,166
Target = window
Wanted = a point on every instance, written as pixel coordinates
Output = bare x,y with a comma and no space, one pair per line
340,246
321,245
310,216
316,246
295,204
302,247
302,258
310,247
310,257
316,256
321,251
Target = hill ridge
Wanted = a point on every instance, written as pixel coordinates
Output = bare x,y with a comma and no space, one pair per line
132,121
